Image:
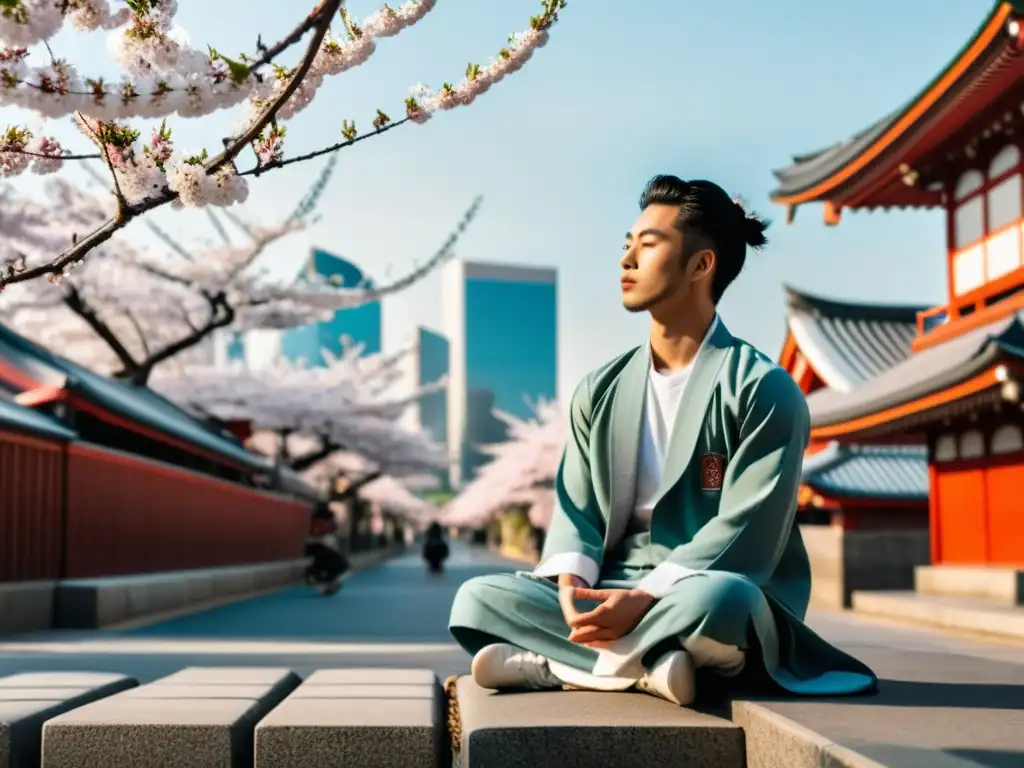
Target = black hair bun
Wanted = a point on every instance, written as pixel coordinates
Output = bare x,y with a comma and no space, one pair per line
752,227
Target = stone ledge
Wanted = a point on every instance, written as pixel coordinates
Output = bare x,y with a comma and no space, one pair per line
96,603
1001,585
773,740
583,729
962,614
26,606
30,699
201,717
372,718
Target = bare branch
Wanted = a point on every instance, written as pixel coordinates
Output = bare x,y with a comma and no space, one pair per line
218,226
222,314
169,241
143,341
77,304
96,156
307,460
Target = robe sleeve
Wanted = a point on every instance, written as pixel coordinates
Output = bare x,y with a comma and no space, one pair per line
759,493
575,539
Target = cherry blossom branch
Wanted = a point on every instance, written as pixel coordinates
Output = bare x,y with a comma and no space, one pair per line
260,169
267,55
327,10
158,179
127,212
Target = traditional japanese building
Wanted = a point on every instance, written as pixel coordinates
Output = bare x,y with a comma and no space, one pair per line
837,345
958,145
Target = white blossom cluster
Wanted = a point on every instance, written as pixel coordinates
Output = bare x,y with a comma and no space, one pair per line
519,467
353,401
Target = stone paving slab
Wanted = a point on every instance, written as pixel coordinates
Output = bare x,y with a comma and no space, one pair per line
972,614
29,699
940,704
582,729
199,717
371,718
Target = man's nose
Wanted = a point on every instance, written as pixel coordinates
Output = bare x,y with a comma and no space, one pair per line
628,260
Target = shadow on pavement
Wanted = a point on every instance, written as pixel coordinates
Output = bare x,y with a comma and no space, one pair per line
905,693
990,758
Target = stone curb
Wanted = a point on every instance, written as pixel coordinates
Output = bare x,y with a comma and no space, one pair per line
773,740
995,620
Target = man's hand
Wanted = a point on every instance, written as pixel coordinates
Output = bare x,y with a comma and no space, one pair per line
567,585
617,615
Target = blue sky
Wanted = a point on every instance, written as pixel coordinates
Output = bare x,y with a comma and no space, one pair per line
560,151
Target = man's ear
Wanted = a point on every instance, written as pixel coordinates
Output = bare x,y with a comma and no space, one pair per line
703,264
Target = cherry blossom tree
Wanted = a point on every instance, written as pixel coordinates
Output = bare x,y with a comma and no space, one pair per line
352,404
164,76
337,422
127,312
517,474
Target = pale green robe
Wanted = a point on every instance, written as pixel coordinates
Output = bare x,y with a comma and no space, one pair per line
724,557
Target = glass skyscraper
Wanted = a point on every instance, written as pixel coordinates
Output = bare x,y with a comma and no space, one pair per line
502,327
361,325
431,356
429,364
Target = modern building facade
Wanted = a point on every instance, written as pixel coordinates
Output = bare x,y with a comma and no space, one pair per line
307,343
502,327
429,365
360,325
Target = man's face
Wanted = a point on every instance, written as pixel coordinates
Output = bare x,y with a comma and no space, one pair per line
653,271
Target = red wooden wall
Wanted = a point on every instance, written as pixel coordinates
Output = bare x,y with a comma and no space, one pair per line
31,483
123,514
977,511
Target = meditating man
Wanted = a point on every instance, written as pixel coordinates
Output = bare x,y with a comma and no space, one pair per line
673,544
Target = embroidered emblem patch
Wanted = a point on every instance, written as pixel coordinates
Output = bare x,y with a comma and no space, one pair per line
712,468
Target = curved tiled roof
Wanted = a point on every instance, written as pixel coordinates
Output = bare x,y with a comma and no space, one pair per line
924,373
808,169
814,168
846,343
898,473
137,404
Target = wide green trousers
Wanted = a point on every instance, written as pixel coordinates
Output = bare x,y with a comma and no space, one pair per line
523,610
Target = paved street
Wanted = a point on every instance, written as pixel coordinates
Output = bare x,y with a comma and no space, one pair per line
956,700
392,615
